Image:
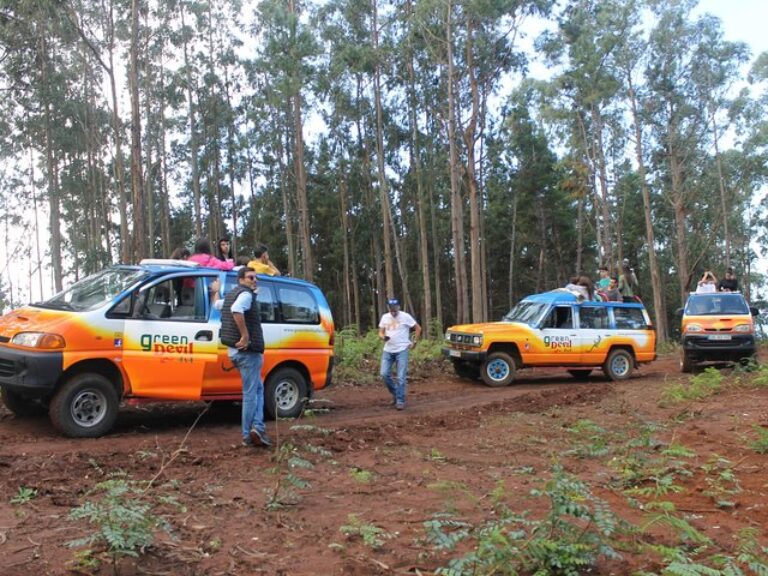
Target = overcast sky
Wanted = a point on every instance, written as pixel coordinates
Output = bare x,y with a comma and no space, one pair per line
743,21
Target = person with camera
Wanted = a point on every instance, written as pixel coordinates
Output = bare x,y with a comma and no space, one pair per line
707,284
628,286
395,330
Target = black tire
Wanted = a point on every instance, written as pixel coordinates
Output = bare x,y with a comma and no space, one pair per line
466,370
580,374
22,406
686,363
85,406
285,394
498,369
619,365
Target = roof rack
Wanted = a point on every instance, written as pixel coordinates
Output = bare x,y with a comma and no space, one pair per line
168,262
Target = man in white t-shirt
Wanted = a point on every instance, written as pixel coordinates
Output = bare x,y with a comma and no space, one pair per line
395,329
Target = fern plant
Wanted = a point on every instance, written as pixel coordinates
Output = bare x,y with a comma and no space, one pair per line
577,529
123,518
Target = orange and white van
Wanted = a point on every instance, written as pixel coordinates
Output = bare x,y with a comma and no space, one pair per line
717,326
556,328
152,332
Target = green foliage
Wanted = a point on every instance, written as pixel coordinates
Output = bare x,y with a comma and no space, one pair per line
721,480
24,495
371,535
700,386
577,529
592,440
361,476
122,516
760,445
287,459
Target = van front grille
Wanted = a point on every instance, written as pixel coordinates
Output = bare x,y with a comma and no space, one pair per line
7,368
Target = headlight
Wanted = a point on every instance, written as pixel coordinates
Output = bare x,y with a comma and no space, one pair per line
693,328
448,336
42,340
742,328
477,340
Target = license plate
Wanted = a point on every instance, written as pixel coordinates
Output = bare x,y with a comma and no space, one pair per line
719,337
455,353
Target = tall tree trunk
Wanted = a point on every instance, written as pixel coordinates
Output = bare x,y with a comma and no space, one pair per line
721,185
119,168
52,174
470,136
231,125
680,214
165,208
346,234
658,296
386,212
421,203
137,183
193,144
599,153
290,235
457,207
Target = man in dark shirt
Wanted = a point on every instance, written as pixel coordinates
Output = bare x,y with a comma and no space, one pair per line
730,283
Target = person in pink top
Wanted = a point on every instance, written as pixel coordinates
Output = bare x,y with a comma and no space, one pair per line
203,256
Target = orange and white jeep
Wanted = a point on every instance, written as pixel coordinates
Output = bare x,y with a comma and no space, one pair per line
554,329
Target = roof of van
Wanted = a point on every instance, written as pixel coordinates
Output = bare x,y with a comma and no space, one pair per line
157,265
563,296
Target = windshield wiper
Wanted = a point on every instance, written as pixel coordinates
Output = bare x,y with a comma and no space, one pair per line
56,306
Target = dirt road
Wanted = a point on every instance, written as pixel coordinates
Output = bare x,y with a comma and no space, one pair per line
371,476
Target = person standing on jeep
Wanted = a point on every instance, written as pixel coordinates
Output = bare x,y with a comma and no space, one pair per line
242,334
395,330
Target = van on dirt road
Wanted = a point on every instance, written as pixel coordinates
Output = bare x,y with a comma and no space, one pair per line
151,332
555,328
717,326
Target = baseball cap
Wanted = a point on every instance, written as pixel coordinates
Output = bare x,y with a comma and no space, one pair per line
393,302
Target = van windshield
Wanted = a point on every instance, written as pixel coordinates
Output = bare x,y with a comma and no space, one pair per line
716,304
94,291
526,312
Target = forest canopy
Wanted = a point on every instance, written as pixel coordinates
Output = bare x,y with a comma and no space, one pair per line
384,148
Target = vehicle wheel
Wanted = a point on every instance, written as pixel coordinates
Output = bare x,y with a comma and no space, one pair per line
498,369
619,365
582,374
285,394
85,407
466,370
22,406
686,363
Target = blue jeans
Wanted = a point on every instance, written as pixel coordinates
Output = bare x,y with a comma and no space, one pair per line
396,387
249,365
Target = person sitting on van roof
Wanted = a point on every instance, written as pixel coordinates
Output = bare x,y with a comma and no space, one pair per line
203,256
730,283
581,286
261,263
707,284
613,293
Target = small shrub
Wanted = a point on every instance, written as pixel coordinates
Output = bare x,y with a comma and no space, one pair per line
283,492
592,440
760,445
371,535
24,495
700,386
361,476
123,520
577,529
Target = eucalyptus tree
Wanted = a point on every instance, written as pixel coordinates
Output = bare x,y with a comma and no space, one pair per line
287,46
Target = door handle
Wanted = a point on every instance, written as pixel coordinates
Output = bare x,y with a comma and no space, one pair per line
204,335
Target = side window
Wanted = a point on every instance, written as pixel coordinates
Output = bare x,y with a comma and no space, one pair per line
559,317
629,318
593,317
124,308
182,298
266,302
298,306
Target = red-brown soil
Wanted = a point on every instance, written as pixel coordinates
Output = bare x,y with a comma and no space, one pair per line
447,451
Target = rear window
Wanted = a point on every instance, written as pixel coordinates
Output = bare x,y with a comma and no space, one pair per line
297,306
629,318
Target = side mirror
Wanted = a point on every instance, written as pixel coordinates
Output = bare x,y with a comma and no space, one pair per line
754,311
